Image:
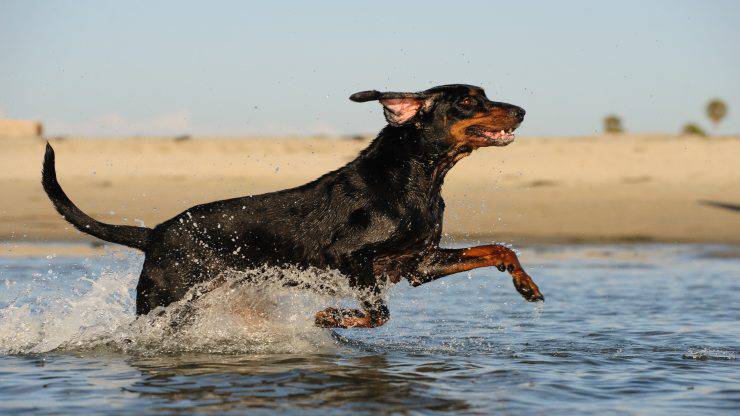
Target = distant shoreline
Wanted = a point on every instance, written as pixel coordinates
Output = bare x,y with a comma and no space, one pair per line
600,189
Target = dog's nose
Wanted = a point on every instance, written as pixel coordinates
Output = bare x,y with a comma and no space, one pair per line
518,113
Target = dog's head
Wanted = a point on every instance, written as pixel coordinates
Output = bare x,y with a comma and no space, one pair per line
460,115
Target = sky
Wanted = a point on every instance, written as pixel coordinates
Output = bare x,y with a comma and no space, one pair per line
100,68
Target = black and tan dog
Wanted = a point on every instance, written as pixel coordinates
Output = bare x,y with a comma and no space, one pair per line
377,219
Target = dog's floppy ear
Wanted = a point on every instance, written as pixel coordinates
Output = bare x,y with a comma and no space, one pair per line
399,107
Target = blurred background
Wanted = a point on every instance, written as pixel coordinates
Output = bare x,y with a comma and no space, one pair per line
621,195
631,131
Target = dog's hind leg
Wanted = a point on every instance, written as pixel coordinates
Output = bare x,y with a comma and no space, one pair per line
373,315
151,291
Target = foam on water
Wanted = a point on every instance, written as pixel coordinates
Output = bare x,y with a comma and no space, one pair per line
241,312
709,354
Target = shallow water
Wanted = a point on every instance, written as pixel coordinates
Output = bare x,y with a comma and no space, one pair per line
634,329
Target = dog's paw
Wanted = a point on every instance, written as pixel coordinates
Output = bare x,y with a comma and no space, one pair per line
328,318
349,318
527,288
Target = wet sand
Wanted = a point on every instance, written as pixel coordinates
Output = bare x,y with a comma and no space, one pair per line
633,188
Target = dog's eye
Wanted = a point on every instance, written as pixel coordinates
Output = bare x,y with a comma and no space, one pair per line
467,102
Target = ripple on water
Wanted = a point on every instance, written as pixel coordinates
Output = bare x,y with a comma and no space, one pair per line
625,330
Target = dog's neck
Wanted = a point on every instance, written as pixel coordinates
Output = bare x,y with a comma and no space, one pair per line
404,155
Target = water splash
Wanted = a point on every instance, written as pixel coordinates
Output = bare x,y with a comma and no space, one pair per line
238,312
703,354
64,321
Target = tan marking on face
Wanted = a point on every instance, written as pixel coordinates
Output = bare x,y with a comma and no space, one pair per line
457,130
496,119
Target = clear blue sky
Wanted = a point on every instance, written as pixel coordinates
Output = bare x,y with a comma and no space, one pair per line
119,68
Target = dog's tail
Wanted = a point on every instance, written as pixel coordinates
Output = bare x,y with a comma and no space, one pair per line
136,237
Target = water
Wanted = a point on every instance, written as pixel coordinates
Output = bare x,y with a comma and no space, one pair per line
634,329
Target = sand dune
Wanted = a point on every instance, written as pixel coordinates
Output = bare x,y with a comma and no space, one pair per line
602,188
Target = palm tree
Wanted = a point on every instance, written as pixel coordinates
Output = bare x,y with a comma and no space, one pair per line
693,129
716,111
613,124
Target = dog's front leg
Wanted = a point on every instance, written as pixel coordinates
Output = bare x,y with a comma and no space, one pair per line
442,262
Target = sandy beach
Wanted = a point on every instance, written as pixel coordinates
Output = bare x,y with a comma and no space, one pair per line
632,188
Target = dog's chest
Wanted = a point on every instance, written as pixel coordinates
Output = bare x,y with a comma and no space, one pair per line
407,227
422,225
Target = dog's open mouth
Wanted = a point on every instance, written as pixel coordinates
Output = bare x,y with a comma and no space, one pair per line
492,137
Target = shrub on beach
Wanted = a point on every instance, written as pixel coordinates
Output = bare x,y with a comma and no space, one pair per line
613,124
693,129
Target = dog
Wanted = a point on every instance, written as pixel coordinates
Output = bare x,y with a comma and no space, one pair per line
377,220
